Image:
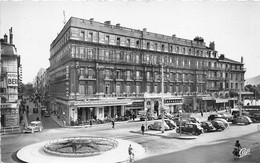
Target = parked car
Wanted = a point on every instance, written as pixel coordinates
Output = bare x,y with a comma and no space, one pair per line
194,120
170,123
34,126
242,119
255,117
218,125
157,125
178,121
207,126
193,128
225,122
149,117
227,117
213,116
46,113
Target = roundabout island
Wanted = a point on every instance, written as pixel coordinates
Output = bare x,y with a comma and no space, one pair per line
80,149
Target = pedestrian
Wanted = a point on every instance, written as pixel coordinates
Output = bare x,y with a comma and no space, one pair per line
130,152
90,122
142,129
201,112
64,123
113,124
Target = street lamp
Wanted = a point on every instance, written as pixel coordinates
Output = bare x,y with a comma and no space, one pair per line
162,109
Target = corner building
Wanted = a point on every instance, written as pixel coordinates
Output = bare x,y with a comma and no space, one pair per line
9,84
100,70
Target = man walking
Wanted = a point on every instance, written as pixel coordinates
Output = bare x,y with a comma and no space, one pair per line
113,124
142,129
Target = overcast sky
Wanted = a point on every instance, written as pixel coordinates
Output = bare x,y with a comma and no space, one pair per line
234,26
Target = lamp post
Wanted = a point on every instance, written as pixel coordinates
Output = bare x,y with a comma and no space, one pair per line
162,109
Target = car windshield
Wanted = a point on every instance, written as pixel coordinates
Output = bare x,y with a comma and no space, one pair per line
33,124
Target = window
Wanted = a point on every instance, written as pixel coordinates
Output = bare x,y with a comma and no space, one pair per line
137,59
128,89
184,51
137,44
155,88
148,45
137,89
171,48
118,90
82,35
81,89
90,90
107,74
128,74
107,39
148,89
155,46
189,51
107,89
90,36
177,49
90,53
128,42
162,47
118,41
106,55
118,74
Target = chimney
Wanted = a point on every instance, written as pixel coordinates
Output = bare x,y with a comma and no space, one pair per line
118,25
11,35
212,45
108,22
91,19
5,38
222,57
144,31
242,60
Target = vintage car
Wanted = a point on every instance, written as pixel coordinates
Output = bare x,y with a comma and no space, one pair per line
242,119
193,128
170,123
227,117
157,125
207,126
218,125
46,113
178,121
149,117
255,117
34,126
194,120
225,122
213,116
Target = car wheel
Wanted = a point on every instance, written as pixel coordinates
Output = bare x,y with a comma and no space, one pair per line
149,127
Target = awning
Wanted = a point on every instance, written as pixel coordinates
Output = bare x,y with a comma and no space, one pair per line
220,100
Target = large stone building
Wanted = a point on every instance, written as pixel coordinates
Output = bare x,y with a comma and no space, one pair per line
98,70
9,84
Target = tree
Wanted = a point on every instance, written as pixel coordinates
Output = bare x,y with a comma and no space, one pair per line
254,89
28,90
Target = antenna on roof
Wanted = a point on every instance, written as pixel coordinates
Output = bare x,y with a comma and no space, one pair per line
64,17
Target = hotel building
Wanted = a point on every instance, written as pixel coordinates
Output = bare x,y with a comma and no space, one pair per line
100,70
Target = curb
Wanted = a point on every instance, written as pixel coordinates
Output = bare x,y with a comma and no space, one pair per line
186,137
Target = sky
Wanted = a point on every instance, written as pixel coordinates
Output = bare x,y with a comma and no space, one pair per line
233,26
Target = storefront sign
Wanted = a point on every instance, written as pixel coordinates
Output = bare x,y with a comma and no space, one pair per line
173,101
207,98
12,79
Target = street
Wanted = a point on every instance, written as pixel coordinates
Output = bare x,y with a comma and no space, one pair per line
156,146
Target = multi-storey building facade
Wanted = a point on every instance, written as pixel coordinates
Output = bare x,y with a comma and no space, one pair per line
98,70
9,84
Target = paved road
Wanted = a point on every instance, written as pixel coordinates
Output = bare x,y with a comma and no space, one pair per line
154,145
217,152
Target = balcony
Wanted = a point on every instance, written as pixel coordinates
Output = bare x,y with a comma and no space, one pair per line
139,78
87,78
213,88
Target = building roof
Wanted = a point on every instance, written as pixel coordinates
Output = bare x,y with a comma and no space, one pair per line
8,49
230,61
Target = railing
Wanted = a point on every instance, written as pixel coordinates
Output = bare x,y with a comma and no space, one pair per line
11,130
